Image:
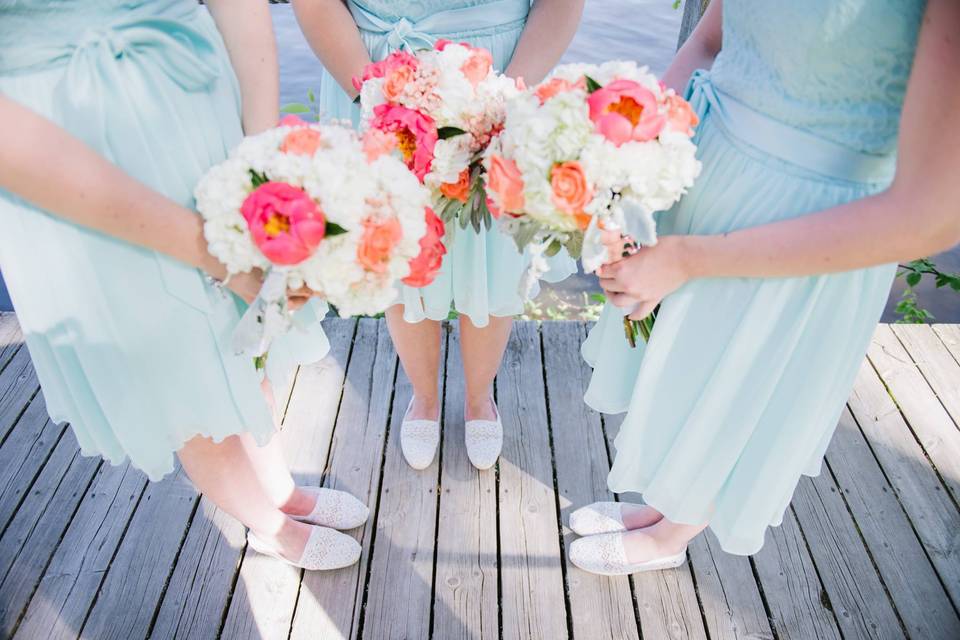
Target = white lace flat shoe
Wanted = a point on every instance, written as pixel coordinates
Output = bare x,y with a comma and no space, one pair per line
599,517
419,440
604,555
326,549
484,440
334,509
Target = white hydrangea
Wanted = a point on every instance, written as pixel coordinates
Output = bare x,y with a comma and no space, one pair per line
632,180
348,189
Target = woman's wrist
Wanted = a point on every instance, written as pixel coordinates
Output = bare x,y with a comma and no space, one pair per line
693,254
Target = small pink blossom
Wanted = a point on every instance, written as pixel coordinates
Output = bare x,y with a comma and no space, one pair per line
416,135
284,221
625,110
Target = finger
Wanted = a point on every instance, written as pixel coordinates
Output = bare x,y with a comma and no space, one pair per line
622,300
612,285
644,309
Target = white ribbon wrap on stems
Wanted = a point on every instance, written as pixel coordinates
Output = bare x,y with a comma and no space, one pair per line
536,269
266,318
633,220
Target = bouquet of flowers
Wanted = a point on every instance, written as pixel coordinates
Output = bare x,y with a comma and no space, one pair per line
310,206
592,148
438,109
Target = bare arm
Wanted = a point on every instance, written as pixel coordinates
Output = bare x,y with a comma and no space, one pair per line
334,37
550,28
918,215
36,155
247,31
699,50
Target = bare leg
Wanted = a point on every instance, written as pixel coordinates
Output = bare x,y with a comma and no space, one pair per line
665,538
228,473
482,351
639,516
418,345
271,469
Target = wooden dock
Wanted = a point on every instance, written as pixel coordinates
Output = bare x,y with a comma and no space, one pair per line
869,549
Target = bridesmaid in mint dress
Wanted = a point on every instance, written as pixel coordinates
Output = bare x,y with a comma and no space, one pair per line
110,111
481,273
830,144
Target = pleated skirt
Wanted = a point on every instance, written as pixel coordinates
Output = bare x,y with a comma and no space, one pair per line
741,386
133,348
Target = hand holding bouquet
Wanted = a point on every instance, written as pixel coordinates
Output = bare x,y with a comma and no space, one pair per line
592,148
307,205
438,109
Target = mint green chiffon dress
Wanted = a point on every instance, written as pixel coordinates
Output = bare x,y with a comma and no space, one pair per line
481,273
131,347
743,381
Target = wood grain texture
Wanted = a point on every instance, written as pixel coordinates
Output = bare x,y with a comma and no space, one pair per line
924,607
324,607
34,534
73,578
600,607
923,411
465,603
921,493
400,591
532,603
266,591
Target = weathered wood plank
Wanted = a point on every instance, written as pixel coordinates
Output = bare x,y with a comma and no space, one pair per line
18,385
667,604
200,586
134,585
465,593
921,493
791,587
854,590
23,455
330,601
940,369
923,605
32,537
11,339
72,580
949,334
266,591
400,592
533,603
926,416
731,602
600,607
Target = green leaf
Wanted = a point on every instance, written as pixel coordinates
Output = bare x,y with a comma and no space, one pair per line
333,229
445,133
356,100
295,107
553,249
257,179
592,85
913,279
310,95
599,298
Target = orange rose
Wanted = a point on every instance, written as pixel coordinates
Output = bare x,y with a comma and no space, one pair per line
395,82
571,192
680,116
505,181
459,190
554,86
376,245
301,142
477,66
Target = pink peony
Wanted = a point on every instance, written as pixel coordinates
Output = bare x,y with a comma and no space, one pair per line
415,132
285,223
424,268
624,110
302,141
390,64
